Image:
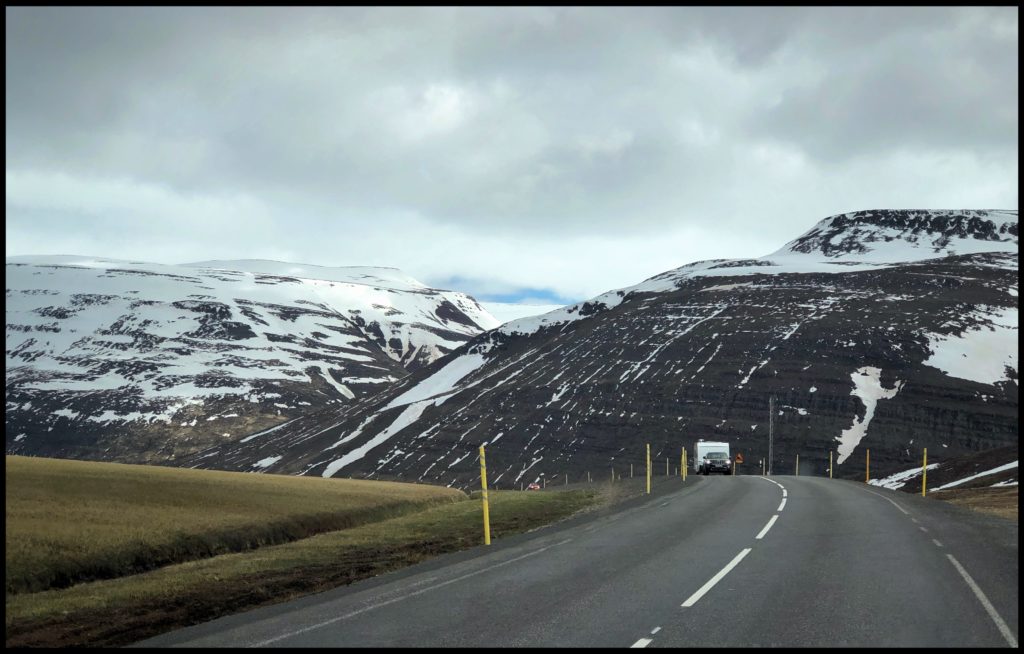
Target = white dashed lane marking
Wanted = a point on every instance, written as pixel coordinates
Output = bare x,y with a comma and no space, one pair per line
643,642
767,527
714,580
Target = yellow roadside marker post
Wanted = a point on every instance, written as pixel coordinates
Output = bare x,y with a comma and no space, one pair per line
797,465
483,483
924,472
684,464
867,468
630,470
830,464
648,468
666,466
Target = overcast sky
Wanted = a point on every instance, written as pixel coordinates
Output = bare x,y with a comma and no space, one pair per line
525,154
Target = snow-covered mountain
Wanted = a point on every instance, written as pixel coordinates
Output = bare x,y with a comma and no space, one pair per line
888,330
135,361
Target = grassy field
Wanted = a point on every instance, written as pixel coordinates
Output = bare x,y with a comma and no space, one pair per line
75,521
120,611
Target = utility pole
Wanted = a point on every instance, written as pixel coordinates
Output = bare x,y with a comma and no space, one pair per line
771,432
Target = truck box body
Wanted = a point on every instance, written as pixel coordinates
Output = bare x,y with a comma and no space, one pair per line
707,457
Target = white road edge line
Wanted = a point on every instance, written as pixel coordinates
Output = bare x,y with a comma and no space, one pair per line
399,599
714,580
889,501
992,613
655,630
643,642
783,505
767,527
773,481
784,493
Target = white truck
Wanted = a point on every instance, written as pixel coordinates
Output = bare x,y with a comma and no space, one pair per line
709,456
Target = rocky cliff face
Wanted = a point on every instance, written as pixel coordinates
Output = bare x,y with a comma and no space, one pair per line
887,330
130,361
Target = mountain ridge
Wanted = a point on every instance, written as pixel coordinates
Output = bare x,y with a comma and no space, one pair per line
696,352
96,346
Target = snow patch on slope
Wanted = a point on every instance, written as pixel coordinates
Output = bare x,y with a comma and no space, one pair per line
980,354
442,381
900,479
410,415
1008,466
867,386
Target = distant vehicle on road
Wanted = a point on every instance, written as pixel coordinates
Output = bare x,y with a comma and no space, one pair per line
709,457
533,487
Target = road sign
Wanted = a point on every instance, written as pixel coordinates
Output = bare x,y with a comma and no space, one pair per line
739,458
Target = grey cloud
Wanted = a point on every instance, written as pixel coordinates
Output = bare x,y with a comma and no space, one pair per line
551,122
944,91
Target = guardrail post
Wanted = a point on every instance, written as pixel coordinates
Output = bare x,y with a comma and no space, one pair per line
867,468
483,483
648,468
924,473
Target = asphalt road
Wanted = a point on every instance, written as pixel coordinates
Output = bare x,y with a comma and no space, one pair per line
705,564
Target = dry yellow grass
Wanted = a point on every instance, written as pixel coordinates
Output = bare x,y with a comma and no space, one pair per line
1002,502
74,521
